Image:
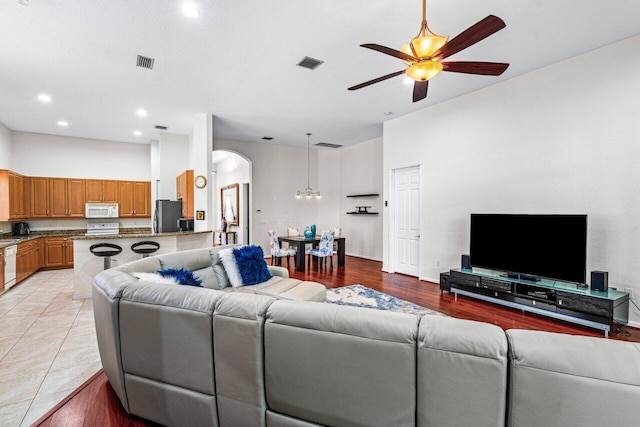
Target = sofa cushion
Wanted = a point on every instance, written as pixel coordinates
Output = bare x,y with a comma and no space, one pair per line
251,265
230,267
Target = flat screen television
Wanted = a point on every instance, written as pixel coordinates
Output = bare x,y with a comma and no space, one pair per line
550,246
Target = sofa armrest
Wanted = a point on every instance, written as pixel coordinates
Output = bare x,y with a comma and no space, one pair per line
278,271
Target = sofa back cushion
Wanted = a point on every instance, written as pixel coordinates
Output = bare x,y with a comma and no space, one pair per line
564,380
339,365
462,373
200,261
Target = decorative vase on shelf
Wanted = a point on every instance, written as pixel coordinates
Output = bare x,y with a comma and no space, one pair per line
313,230
307,233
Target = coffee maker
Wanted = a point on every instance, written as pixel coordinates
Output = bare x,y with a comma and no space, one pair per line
21,229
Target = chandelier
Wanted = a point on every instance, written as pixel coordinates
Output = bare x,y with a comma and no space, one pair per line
308,191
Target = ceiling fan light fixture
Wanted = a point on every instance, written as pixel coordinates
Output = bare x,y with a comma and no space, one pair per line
424,46
424,70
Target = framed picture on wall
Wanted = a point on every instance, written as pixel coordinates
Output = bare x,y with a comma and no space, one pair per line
230,203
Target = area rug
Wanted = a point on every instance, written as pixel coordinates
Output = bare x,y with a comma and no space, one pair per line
361,296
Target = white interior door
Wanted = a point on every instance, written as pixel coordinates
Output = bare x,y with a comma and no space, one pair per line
407,220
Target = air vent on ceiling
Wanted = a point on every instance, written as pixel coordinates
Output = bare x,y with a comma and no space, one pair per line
310,63
267,138
327,145
160,127
145,62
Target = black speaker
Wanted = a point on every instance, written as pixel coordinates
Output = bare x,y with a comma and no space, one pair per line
445,282
599,281
466,262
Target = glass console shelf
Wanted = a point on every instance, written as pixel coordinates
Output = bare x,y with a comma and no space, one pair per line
546,297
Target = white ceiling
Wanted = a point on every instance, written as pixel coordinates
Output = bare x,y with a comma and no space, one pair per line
237,61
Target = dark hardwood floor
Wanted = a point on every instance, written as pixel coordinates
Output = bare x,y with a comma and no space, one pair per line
95,403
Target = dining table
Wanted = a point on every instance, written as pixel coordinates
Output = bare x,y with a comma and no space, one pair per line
299,242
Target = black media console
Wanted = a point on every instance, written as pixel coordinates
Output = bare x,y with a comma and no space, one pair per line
560,300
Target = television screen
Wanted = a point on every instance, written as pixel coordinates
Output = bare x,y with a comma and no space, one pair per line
550,246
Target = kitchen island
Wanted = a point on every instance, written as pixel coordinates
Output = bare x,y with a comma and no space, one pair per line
86,265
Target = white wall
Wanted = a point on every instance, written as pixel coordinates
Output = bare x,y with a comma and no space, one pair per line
5,147
277,173
37,154
5,161
173,160
356,169
557,140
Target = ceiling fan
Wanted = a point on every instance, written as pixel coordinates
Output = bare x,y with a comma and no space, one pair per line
425,52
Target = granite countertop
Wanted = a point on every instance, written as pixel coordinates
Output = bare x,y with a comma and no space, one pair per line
80,234
137,235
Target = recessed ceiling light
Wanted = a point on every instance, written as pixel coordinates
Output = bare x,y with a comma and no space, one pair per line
190,10
137,133
43,97
63,123
141,112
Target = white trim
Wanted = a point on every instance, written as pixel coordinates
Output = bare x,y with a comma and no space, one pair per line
634,324
363,257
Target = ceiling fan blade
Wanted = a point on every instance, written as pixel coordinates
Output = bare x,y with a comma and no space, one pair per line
379,79
474,67
420,90
389,51
472,35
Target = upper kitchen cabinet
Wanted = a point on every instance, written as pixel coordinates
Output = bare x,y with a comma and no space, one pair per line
39,197
101,191
184,192
14,193
66,197
134,199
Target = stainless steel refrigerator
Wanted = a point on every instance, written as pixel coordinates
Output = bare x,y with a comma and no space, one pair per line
165,219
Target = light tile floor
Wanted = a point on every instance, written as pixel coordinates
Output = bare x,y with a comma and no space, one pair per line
48,346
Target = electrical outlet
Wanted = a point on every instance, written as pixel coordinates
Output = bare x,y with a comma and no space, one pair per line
630,291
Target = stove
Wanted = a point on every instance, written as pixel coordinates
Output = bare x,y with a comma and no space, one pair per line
102,228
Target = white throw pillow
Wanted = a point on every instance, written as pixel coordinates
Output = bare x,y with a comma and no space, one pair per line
230,266
155,278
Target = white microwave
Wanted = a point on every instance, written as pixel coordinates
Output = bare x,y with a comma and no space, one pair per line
101,210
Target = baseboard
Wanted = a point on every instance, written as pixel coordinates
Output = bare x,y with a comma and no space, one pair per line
634,324
429,279
363,257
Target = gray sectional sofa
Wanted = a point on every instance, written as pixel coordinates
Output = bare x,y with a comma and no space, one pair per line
263,356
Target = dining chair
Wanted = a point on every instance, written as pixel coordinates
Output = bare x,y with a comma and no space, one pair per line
337,231
324,250
276,251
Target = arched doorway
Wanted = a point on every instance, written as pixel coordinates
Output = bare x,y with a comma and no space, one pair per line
230,168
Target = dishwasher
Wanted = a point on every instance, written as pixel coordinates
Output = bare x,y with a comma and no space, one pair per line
10,266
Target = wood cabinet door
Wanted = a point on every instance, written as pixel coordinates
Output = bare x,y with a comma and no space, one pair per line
142,198
75,197
110,191
39,187
21,262
54,252
93,190
2,270
58,197
18,194
180,181
68,253
125,191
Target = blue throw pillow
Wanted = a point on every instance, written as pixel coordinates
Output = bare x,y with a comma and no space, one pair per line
184,277
250,261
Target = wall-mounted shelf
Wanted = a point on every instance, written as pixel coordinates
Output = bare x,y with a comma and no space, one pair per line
364,195
362,213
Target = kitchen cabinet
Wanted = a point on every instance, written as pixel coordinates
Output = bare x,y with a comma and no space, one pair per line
2,263
58,253
101,191
135,199
27,259
14,193
39,197
184,192
66,197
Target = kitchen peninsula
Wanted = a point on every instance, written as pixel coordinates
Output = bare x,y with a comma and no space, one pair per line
86,265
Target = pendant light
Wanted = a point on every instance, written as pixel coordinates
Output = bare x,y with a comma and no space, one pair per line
308,192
